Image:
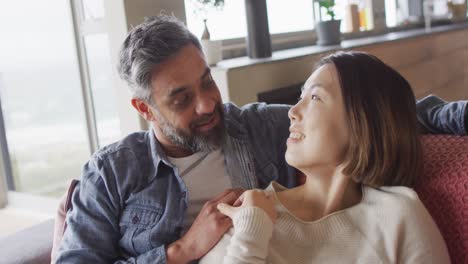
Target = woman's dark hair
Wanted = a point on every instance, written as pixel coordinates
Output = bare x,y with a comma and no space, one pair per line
385,147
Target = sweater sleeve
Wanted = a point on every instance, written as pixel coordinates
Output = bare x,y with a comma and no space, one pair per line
253,230
424,242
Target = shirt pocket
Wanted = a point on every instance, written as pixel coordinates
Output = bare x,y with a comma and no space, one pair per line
136,224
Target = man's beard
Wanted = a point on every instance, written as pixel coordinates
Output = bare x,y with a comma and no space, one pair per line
192,140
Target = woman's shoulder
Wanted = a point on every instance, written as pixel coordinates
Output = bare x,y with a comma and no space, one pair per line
397,204
392,196
397,207
402,218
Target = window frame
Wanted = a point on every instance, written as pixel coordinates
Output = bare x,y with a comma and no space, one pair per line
7,186
6,178
81,28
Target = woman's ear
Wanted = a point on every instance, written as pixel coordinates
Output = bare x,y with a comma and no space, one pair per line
143,109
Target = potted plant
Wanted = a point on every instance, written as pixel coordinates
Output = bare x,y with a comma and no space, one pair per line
211,48
328,28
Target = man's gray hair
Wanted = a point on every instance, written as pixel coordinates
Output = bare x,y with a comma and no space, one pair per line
147,46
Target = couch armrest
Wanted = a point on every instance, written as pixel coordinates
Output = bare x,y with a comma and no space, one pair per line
31,245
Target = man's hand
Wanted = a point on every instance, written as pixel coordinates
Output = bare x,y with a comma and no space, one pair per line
207,229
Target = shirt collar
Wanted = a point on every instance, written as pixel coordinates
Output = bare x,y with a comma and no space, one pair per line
157,153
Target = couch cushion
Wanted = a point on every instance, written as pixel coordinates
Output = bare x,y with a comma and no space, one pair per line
29,246
60,223
443,189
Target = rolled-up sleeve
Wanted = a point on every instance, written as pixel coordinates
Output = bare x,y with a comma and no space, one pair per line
440,117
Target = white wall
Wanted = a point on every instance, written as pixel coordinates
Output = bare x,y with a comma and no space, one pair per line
242,84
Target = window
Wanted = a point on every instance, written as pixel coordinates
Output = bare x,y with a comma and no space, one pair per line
41,95
227,23
439,8
56,93
230,22
401,12
364,9
100,75
93,9
290,16
97,69
391,13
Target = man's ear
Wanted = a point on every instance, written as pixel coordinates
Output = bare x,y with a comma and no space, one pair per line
143,109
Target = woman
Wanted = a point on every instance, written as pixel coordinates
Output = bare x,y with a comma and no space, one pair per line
352,132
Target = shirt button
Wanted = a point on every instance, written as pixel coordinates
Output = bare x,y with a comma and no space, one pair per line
135,219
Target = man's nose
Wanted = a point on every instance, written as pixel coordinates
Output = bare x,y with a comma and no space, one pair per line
205,105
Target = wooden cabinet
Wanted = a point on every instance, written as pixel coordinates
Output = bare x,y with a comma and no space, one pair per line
433,64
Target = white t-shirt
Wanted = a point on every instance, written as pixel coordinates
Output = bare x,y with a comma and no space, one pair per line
205,176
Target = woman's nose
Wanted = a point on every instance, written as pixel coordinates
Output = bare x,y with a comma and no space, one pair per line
293,112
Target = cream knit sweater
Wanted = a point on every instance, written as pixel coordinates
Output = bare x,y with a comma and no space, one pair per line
389,225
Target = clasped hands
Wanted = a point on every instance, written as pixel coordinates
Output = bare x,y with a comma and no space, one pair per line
214,219
251,198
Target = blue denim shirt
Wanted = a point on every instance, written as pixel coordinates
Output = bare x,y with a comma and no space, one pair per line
440,117
131,202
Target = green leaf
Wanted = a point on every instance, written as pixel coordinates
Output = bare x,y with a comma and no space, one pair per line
328,6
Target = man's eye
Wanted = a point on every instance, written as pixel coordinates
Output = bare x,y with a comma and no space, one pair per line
208,82
181,100
209,77
314,97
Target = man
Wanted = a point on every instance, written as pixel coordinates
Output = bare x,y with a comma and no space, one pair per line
148,198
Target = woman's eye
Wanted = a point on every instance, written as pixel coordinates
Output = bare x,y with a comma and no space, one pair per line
315,97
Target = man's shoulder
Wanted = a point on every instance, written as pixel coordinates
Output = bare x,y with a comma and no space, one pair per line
136,142
128,154
232,109
256,114
122,163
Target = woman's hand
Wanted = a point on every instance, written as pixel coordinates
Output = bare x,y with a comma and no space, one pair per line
251,198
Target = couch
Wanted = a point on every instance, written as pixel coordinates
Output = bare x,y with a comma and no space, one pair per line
443,189
29,246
